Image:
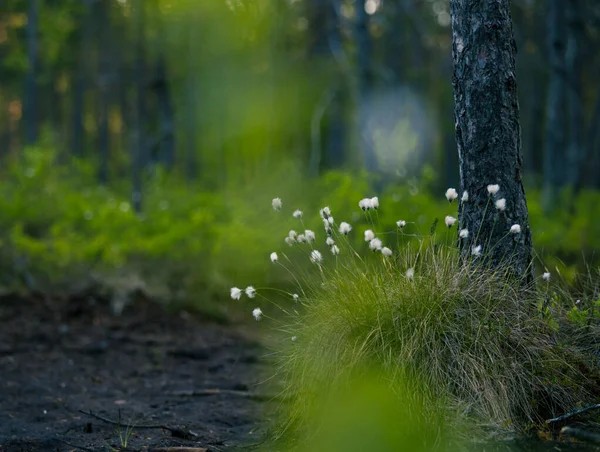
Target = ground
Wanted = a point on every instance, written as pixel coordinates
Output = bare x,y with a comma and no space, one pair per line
61,356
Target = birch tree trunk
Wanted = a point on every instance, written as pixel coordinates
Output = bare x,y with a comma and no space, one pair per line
488,134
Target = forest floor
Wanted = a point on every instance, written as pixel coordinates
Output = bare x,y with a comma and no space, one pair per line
64,361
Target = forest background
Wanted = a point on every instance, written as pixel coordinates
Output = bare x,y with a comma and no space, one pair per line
143,140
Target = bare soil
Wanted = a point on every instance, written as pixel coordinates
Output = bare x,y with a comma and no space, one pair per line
60,357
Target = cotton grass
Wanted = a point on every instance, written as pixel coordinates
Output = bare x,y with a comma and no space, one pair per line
460,344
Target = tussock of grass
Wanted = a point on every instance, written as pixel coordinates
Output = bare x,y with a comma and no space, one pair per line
469,346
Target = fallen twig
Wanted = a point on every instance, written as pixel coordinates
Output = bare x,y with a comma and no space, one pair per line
75,445
178,449
582,435
566,416
175,432
232,392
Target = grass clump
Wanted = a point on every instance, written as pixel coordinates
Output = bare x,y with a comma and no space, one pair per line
473,344
468,351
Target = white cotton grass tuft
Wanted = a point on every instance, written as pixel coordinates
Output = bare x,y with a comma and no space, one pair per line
235,293
365,204
546,276
250,292
401,223
515,229
330,220
274,257
310,236
301,238
451,194
325,212
374,203
464,233
330,241
449,221
410,273
257,313
327,226
316,257
345,228
297,213
386,251
501,204
493,189
335,250
476,250
375,244
465,196
294,338
295,297
369,235
277,204
291,238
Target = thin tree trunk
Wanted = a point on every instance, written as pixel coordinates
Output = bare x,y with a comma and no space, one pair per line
488,137
364,84
575,150
555,108
591,168
534,153
190,108
165,106
31,124
104,76
336,118
335,137
140,105
79,85
316,153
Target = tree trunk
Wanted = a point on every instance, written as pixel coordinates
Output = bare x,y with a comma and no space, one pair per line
362,37
488,137
190,108
555,108
104,82
139,108
79,85
573,75
591,169
31,125
166,143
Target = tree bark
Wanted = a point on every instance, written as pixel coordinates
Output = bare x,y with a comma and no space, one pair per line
488,134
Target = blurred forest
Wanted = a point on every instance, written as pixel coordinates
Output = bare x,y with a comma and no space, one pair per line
184,107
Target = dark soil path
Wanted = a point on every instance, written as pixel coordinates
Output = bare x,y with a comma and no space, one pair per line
61,357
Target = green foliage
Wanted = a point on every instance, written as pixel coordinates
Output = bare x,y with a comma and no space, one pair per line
58,224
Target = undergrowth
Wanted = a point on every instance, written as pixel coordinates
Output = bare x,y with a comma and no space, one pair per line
468,350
